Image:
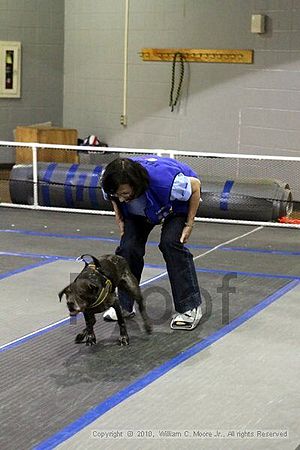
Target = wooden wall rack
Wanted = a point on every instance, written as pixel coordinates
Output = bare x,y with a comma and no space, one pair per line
231,56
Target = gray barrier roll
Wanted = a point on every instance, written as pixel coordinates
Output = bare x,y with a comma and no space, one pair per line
241,199
78,186
65,185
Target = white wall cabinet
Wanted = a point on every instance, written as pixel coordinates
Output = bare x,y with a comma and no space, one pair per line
10,69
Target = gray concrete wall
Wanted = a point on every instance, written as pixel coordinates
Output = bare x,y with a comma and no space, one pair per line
224,108
39,25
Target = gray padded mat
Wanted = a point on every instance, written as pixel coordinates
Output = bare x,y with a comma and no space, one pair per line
47,381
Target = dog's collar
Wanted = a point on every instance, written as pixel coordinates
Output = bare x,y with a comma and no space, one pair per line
105,291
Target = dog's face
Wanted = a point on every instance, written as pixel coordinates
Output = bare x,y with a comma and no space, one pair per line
79,295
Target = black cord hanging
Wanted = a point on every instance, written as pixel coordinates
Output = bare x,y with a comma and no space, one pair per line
173,102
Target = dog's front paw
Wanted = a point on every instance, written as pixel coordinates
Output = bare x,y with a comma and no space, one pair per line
90,339
85,336
123,340
81,337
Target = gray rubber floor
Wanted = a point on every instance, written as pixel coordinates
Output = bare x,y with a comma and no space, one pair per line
55,393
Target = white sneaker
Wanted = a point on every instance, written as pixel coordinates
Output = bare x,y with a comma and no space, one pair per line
186,321
110,314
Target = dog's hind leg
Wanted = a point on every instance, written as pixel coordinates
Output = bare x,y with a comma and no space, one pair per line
87,334
130,285
124,338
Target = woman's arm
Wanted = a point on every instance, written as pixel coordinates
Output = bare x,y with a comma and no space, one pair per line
194,201
119,217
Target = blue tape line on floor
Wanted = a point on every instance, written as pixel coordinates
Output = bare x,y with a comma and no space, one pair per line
160,267
38,255
62,236
93,414
154,243
250,274
33,335
24,269
24,339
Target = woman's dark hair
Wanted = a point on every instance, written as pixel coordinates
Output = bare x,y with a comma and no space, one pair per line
125,171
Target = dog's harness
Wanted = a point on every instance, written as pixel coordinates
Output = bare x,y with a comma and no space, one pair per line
105,291
108,285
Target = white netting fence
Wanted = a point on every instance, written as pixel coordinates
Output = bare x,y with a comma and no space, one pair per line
243,188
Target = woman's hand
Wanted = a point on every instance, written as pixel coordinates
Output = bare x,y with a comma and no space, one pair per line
186,232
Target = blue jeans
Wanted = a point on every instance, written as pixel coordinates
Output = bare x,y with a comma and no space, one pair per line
179,260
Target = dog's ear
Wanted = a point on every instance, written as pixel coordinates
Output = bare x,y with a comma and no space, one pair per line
95,260
64,291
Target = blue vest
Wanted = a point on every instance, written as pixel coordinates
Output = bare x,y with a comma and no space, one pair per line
162,172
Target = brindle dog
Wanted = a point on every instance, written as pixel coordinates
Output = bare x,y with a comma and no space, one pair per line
94,291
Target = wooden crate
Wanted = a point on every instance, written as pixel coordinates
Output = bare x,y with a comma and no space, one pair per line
4,183
46,135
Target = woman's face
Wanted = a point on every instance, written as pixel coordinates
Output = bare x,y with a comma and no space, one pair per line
124,193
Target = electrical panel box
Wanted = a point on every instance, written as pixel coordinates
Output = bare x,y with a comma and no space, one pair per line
10,69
